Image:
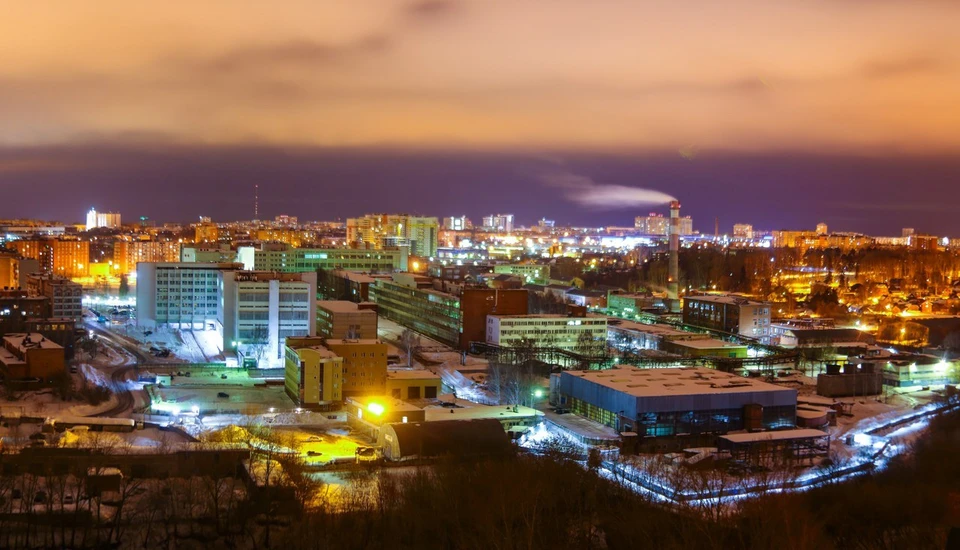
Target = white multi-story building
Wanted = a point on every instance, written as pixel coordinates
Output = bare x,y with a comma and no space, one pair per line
183,296
742,231
728,313
251,312
658,224
558,331
457,223
102,219
268,308
498,222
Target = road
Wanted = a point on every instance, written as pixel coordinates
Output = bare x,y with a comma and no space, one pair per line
120,375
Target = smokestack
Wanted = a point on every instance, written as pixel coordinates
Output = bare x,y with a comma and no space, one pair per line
673,279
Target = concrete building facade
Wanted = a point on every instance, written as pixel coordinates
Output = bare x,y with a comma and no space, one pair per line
419,234
364,365
313,375
559,331
345,320
65,295
726,313
674,401
267,258
270,307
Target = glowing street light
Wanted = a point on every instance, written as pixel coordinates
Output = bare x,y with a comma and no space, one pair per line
376,408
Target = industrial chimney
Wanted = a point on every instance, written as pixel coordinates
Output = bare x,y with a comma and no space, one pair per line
673,279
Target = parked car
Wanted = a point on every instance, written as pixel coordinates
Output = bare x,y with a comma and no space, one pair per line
223,395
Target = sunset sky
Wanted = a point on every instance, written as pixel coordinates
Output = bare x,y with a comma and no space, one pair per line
96,92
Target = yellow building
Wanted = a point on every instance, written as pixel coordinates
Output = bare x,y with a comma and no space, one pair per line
343,319
71,259
364,365
391,230
31,356
127,254
289,236
206,233
413,384
313,375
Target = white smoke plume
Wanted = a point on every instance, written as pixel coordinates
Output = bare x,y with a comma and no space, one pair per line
584,190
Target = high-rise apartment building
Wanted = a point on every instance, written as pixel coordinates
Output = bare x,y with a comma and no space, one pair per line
457,223
658,224
102,219
379,231
498,222
127,254
14,269
742,231
70,258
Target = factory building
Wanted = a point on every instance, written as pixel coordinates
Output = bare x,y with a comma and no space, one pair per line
674,401
727,313
558,331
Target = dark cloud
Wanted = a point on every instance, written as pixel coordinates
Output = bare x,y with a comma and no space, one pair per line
431,8
905,66
179,182
304,52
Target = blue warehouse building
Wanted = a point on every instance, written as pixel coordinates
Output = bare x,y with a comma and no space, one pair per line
675,401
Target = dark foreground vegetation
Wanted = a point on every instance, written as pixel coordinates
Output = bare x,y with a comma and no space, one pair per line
522,501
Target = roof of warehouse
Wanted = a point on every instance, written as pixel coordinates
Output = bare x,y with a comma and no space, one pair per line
673,381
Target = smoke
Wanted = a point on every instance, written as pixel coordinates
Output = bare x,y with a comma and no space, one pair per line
587,192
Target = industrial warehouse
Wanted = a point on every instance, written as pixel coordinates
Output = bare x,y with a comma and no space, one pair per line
675,401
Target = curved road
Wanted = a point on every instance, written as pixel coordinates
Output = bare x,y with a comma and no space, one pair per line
118,376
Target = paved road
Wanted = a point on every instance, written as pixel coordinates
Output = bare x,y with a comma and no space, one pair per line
119,375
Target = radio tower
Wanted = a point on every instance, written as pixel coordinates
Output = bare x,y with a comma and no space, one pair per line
256,201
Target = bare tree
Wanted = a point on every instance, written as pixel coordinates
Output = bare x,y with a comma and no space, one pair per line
410,341
259,339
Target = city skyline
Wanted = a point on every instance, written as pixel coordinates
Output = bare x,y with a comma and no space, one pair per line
848,110
177,184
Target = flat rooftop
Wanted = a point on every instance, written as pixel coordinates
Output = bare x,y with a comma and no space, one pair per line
557,316
389,403
779,435
411,374
355,276
339,306
349,341
322,351
9,359
669,382
23,341
708,343
657,329
476,411
725,299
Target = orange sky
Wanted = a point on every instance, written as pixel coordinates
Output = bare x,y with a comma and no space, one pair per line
840,75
